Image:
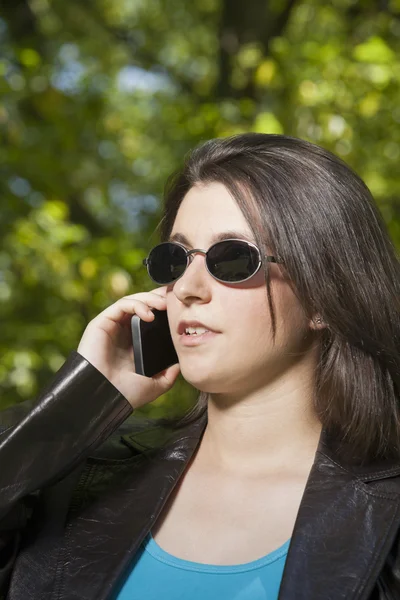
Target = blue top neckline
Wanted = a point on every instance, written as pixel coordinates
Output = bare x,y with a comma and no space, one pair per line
158,553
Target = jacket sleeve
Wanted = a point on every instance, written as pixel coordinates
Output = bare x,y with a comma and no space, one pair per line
73,415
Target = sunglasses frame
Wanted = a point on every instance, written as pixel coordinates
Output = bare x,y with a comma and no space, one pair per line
189,258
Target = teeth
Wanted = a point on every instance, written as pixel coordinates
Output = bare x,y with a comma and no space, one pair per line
195,330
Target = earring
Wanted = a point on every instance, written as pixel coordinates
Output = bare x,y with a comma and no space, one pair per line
318,320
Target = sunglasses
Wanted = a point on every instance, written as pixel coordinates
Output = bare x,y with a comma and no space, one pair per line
228,261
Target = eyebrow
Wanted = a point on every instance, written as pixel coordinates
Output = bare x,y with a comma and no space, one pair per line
218,237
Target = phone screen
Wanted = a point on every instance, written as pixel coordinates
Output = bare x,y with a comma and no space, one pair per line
153,348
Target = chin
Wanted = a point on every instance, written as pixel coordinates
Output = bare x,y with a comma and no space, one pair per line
204,379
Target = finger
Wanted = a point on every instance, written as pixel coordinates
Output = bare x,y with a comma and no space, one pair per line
125,306
152,302
146,302
160,292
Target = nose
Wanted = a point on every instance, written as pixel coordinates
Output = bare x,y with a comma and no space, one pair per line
195,281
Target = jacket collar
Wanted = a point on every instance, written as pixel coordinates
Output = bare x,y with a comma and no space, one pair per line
346,524
116,504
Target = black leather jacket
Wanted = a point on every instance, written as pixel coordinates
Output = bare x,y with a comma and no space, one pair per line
81,484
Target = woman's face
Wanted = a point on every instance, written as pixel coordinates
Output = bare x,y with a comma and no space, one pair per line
241,356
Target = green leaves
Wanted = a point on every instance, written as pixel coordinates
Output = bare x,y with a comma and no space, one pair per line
374,50
100,101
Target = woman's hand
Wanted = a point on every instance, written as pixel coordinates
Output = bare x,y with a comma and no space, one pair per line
107,344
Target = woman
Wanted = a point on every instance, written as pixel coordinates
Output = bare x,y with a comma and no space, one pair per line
284,481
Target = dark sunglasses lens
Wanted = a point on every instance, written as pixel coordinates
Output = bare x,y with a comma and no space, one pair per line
167,262
232,261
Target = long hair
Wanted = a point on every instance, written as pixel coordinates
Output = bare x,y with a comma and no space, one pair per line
318,216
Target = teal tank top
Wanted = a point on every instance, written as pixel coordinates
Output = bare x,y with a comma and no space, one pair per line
157,574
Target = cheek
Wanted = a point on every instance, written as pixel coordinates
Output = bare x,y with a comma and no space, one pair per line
250,314
246,317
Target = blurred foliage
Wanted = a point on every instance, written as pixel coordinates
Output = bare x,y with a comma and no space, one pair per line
99,102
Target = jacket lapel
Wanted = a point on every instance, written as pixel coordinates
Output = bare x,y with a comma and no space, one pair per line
346,524
121,502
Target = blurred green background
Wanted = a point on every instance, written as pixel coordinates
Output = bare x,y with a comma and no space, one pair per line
99,102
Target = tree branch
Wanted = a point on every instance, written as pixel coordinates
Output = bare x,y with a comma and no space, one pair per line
258,23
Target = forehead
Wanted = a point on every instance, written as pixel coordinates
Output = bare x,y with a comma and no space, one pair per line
207,212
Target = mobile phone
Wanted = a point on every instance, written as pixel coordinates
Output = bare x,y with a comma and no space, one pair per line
153,349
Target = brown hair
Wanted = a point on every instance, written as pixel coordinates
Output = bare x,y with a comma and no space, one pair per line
318,217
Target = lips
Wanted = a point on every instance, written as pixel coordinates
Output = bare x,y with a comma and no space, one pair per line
184,324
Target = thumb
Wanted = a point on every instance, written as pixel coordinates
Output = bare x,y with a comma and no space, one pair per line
166,379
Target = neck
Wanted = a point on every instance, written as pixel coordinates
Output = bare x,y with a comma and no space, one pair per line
268,429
